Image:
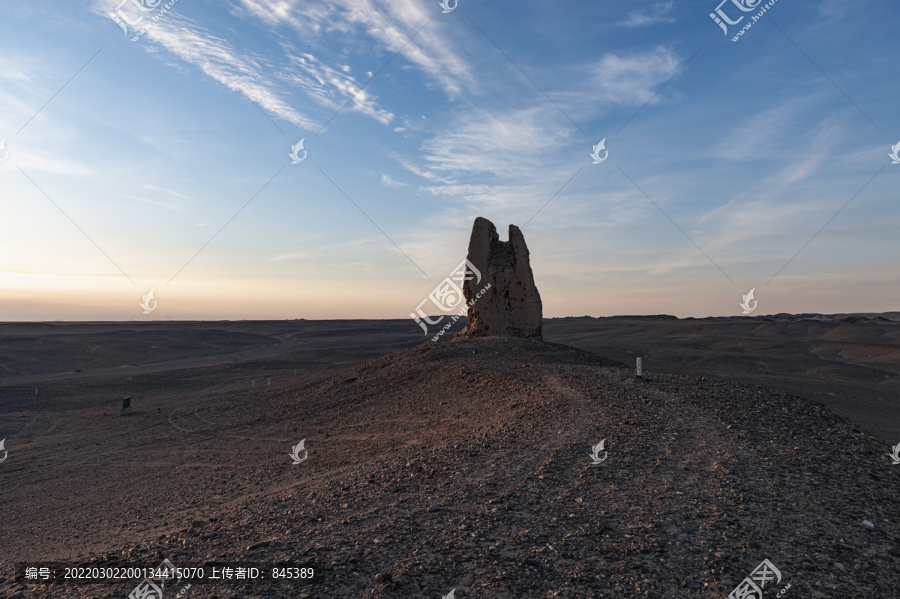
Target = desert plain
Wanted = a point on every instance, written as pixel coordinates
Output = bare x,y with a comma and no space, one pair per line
461,465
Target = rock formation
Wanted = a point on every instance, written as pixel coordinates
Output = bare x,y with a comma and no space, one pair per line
511,306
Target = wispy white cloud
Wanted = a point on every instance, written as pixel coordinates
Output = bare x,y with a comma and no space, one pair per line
411,125
294,255
802,161
397,25
313,251
387,181
233,69
333,88
658,13
628,78
170,205
770,206
260,79
508,144
237,69
26,80
46,163
15,71
171,192
632,78
833,9
420,171
167,205
761,135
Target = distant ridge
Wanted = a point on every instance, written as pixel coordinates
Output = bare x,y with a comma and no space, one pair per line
855,318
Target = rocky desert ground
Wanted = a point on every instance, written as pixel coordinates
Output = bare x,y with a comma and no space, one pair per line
461,465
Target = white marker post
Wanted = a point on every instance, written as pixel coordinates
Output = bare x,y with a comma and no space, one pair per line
639,371
126,406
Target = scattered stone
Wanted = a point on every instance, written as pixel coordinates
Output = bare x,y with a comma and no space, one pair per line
401,577
259,545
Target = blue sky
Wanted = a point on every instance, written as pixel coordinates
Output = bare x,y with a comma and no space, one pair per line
124,180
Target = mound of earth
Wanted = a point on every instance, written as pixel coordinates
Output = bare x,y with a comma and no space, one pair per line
464,465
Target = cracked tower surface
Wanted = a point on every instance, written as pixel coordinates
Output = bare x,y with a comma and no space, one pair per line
511,307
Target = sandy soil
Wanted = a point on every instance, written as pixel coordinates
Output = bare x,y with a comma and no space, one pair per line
460,465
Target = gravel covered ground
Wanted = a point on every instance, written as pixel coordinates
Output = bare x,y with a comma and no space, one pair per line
464,465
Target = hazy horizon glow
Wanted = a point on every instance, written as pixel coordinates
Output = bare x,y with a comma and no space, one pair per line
164,163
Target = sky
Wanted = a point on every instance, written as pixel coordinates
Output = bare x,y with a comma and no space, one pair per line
160,152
